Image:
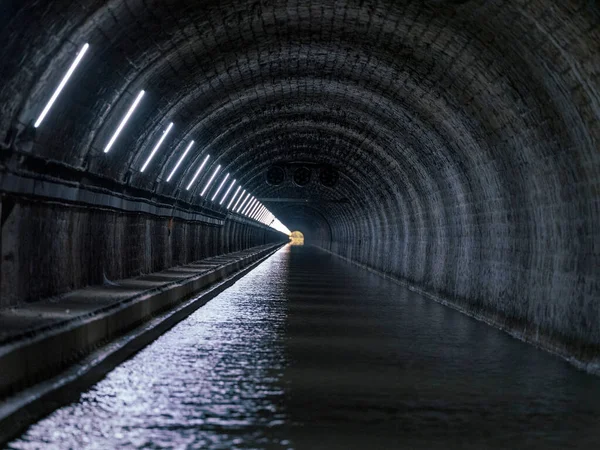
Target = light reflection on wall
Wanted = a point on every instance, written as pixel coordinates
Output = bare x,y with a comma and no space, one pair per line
296,238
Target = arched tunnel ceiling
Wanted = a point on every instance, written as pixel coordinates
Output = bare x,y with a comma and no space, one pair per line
423,107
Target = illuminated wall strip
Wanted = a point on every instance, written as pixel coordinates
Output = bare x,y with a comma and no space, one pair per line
252,209
261,214
281,227
219,188
157,146
197,171
243,203
264,215
227,192
238,200
237,208
124,121
180,161
260,211
276,225
252,212
210,181
61,85
234,195
249,206
245,208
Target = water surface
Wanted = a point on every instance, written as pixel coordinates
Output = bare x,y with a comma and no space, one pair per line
307,351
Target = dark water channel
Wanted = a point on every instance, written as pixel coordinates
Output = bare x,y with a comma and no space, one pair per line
309,352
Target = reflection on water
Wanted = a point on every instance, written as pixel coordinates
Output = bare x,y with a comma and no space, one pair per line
309,352
213,381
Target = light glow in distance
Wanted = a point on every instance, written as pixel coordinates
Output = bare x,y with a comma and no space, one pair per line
238,200
197,171
244,202
234,195
61,85
124,121
180,161
227,192
157,146
210,181
219,188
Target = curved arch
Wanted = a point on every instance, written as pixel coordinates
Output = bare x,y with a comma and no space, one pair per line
465,132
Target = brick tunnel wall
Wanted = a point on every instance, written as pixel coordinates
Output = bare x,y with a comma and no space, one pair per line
488,266
465,133
52,248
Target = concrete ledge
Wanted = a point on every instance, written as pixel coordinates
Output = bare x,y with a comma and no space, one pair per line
89,193
79,342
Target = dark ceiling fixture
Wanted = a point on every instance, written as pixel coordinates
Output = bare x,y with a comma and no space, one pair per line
302,176
275,175
328,176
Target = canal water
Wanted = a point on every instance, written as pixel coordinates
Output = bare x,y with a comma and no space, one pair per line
307,351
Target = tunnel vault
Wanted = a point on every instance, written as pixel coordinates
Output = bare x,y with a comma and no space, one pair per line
465,135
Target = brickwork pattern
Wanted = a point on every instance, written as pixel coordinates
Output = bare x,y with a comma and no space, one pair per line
466,132
48,250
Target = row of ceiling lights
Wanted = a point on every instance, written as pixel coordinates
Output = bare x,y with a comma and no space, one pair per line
246,203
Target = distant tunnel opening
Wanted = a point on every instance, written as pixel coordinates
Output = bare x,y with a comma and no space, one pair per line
297,238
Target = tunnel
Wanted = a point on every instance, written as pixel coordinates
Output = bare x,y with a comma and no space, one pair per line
448,150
